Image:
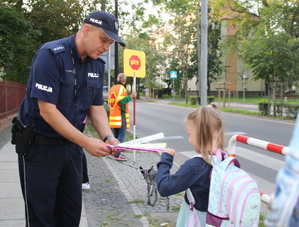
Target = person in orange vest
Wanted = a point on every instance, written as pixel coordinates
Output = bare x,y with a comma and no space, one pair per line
119,118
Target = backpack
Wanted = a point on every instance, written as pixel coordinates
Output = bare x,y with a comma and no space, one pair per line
234,198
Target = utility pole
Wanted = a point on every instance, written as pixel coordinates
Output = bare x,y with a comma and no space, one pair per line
103,5
198,49
204,51
116,48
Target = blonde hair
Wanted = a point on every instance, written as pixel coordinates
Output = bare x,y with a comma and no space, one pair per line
208,121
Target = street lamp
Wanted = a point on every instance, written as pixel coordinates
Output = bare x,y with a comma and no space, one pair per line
244,77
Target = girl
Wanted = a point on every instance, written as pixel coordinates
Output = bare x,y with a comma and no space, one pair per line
206,134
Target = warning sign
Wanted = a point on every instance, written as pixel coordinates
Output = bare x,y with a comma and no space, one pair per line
134,63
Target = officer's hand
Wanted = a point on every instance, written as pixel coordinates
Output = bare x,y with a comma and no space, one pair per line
113,142
97,147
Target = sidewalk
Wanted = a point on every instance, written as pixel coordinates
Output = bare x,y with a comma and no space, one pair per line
118,194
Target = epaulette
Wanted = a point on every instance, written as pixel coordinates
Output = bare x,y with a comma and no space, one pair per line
57,49
102,59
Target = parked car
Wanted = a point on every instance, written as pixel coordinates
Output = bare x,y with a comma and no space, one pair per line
105,93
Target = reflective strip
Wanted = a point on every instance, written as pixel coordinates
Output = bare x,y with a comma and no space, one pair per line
115,123
115,118
120,92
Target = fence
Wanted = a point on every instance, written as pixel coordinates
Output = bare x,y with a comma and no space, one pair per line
11,96
260,144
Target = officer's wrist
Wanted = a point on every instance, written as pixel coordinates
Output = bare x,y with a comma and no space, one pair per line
107,138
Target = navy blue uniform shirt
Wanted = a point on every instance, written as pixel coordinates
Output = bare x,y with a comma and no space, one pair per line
53,80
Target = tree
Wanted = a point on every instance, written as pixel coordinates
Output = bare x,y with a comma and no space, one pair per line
24,27
180,39
15,44
215,65
155,59
267,38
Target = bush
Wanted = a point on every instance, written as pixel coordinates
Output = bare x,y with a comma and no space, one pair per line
211,99
193,100
263,106
290,110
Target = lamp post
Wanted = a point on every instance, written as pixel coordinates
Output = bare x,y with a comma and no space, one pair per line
116,48
204,51
244,77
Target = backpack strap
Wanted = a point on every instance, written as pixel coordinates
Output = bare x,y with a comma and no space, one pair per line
194,216
226,162
218,156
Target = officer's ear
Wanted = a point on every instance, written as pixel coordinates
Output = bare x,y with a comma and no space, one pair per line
86,29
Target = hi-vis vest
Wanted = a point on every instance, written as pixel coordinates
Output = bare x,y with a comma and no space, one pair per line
116,94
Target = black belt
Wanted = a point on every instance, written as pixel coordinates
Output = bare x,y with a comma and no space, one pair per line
39,139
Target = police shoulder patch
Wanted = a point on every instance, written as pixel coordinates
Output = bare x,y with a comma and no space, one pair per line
57,48
102,59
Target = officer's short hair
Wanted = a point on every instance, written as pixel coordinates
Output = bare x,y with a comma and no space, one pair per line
121,77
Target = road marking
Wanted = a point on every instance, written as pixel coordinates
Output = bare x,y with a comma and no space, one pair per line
172,138
264,160
234,133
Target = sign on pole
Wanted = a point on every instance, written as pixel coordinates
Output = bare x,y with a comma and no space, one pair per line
134,63
134,66
173,74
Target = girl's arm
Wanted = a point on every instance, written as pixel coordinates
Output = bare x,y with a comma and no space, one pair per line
184,178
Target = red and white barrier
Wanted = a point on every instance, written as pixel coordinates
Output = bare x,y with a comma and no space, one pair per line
255,142
260,144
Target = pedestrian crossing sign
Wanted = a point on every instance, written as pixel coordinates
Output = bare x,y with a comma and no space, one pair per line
173,74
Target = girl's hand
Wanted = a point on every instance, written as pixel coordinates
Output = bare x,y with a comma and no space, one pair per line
170,151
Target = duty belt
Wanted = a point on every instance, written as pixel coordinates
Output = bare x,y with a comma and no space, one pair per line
39,139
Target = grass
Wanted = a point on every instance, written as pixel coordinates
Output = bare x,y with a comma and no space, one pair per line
232,110
248,100
135,201
253,100
262,220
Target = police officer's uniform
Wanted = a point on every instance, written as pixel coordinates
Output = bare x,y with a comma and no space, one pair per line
51,172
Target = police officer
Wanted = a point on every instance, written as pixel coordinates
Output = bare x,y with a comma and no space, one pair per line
65,85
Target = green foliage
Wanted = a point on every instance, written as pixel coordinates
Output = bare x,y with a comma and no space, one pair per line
291,110
193,100
266,38
55,19
16,48
263,106
211,99
232,110
25,26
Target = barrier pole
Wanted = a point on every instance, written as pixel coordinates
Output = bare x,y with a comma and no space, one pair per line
260,144
134,114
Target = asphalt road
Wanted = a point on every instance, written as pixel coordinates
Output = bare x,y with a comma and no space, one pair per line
263,165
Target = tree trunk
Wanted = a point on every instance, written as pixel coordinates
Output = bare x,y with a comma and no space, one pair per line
281,98
274,99
269,100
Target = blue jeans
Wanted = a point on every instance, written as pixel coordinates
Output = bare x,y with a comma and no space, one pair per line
285,206
120,133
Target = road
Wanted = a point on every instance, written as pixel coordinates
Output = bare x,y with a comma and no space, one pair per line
155,117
